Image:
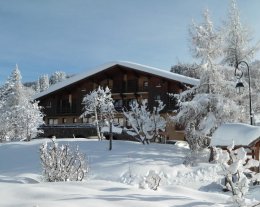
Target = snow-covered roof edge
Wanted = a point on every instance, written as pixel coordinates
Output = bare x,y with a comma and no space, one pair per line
136,66
240,133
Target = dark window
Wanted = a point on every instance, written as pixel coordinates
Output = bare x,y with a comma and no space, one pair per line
118,104
157,97
48,104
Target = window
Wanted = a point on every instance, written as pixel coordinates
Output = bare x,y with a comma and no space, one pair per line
85,120
157,97
75,120
121,121
64,120
145,84
132,102
48,104
53,121
118,103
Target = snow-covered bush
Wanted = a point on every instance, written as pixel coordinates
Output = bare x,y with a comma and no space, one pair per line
61,163
152,180
235,166
146,124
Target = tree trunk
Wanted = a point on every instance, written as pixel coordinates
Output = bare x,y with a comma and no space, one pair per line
97,124
110,135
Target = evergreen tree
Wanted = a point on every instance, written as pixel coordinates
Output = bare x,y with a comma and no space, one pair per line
204,107
58,76
205,41
237,39
44,82
19,116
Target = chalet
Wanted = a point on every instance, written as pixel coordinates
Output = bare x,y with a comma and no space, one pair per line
62,102
243,135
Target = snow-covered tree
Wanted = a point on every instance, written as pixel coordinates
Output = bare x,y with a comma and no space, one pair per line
99,103
237,39
20,117
44,82
158,121
204,107
190,70
146,124
37,86
33,118
61,163
205,41
238,46
57,76
234,164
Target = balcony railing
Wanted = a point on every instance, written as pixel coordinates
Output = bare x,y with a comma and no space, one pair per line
130,86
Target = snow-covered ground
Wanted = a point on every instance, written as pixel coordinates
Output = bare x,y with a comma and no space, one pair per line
113,179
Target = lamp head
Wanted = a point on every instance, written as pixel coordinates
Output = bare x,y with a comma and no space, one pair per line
239,87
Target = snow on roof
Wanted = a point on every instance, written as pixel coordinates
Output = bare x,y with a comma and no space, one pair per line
135,66
242,134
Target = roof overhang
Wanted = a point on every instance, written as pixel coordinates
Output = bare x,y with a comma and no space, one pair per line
143,68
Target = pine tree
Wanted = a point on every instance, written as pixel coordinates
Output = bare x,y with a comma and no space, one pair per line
205,41
204,107
237,39
57,76
44,82
20,117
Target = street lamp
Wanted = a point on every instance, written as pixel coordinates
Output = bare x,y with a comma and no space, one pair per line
239,74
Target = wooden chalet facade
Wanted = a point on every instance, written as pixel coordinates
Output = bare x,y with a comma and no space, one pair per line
62,102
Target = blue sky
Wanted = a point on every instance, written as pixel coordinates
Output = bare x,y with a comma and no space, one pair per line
43,36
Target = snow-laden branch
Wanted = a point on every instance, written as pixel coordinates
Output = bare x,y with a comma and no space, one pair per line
146,124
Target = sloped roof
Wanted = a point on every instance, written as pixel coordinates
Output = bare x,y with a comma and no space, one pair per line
135,66
242,134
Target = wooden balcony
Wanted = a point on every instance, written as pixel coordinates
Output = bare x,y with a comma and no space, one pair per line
131,86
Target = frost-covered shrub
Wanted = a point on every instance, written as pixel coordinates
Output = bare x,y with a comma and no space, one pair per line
152,180
61,163
145,124
235,165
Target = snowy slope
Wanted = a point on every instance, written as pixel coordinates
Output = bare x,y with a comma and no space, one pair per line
113,180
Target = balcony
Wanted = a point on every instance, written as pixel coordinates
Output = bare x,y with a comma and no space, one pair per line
131,86
67,109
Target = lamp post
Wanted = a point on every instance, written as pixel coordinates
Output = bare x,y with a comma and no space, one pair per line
239,74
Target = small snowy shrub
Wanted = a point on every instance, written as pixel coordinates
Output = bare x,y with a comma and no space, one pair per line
235,165
152,181
60,163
